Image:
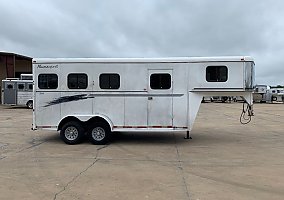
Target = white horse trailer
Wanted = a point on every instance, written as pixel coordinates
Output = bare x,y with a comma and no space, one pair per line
261,94
17,92
97,96
26,77
277,94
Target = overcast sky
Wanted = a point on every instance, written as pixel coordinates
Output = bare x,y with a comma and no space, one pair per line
148,28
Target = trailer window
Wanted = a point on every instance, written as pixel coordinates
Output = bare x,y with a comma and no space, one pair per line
77,81
21,86
160,81
10,86
109,81
47,81
216,73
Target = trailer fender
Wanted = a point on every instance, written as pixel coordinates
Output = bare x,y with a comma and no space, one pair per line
85,119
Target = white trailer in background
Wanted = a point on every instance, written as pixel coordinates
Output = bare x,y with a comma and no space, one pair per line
17,92
26,77
261,94
264,93
97,96
277,94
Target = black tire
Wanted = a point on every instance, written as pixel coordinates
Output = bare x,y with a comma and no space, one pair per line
30,104
99,133
224,99
72,132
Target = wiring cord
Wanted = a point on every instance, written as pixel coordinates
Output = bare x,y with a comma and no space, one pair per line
246,114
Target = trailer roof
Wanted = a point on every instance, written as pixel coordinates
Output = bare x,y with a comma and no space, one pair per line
145,60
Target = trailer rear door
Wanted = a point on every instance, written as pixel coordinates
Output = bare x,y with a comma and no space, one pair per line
10,93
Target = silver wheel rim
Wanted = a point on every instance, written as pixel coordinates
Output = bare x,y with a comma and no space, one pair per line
98,134
71,133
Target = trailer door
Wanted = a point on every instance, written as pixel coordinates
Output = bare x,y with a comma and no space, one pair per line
160,98
10,93
48,100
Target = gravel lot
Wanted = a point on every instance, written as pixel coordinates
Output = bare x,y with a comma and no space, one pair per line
224,160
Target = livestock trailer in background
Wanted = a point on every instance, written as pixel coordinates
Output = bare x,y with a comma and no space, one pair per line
98,96
264,93
18,92
261,94
26,77
277,94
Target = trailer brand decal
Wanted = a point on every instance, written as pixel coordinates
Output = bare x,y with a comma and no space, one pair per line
69,99
66,99
47,66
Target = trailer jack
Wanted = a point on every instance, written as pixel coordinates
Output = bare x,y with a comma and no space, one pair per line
187,137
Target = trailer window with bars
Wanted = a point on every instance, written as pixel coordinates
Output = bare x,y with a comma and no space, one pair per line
21,86
216,74
160,81
77,81
109,81
30,86
47,81
10,86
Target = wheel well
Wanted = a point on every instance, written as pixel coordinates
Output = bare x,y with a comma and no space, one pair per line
29,101
65,120
84,124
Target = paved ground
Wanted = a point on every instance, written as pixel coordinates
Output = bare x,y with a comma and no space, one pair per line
225,160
